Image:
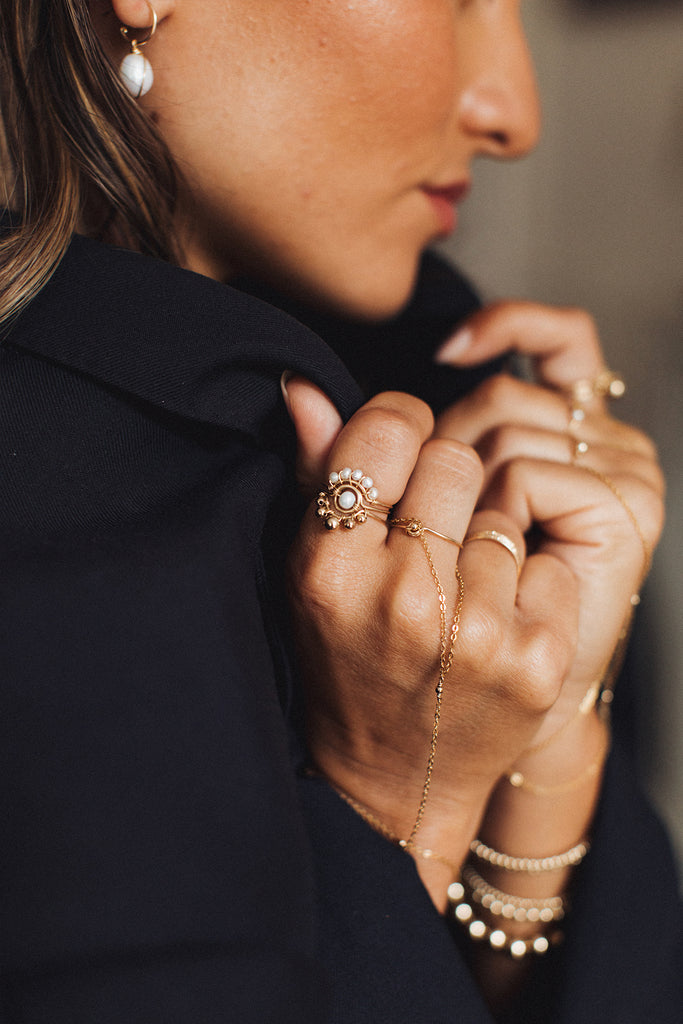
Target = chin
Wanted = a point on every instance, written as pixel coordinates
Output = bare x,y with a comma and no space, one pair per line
374,295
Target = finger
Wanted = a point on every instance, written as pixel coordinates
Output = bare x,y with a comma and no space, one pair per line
442,491
381,442
562,342
317,424
503,401
507,443
550,639
490,566
607,523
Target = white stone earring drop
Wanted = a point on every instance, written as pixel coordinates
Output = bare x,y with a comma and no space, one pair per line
136,71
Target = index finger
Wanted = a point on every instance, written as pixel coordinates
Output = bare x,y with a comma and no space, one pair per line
381,443
562,342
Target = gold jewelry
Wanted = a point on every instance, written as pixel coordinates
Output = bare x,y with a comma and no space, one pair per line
135,71
520,781
499,538
447,644
530,865
350,499
497,938
514,908
416,528
606,384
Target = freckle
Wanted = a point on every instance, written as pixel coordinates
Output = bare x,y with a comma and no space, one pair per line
322,43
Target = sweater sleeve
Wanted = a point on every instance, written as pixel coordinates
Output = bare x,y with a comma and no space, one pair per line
392,957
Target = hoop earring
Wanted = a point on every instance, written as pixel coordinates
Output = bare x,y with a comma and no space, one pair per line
136,71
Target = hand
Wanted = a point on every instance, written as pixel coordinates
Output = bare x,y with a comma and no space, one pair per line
521,431
599,512
366,616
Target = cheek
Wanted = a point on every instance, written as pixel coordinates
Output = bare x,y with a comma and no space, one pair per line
353,77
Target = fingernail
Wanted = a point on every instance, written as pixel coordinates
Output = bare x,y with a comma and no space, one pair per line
455,347
284,379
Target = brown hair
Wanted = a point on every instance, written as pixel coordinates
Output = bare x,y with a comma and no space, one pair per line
78,150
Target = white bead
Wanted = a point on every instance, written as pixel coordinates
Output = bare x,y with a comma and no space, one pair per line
345,473
357,475
136,74
477,929
518,948
334,478
541,944
456,891
346,500
497,939
373,494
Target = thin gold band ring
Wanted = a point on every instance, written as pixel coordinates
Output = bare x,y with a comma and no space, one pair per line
416,528
499,538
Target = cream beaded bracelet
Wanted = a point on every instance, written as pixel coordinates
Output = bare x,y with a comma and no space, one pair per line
514,908
498,939
531,865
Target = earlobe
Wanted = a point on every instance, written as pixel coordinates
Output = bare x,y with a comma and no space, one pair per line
135,70
138,13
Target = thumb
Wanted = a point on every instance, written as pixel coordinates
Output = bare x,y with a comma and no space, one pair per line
317,424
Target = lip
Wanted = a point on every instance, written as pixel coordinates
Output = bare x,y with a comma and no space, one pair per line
444,201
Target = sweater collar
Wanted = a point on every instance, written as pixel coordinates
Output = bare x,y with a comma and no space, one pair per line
175,339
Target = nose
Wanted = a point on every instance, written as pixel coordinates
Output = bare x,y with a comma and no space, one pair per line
499,106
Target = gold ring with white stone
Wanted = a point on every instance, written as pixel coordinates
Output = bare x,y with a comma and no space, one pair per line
350,499
499,538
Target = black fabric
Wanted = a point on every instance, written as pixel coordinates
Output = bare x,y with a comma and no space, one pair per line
160,860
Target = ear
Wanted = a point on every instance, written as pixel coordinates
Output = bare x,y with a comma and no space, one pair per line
138,13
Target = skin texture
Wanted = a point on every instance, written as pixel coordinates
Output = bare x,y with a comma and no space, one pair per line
307,131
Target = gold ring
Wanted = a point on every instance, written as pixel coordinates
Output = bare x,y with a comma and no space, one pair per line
499,538
606,384
350,499
416,528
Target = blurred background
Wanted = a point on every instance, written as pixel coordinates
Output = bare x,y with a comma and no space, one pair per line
595,218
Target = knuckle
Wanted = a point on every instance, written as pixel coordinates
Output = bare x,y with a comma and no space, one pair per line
544,662
414,409
391,431
501,444
455,459
410,606
579,320
653,516
501,390
482,636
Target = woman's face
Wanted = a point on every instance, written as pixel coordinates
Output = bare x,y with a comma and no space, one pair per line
325,141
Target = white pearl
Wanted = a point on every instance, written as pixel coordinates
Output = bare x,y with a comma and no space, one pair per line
456,891
345,474
367,481
357,475
136,74
334,478
373,494
346,500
